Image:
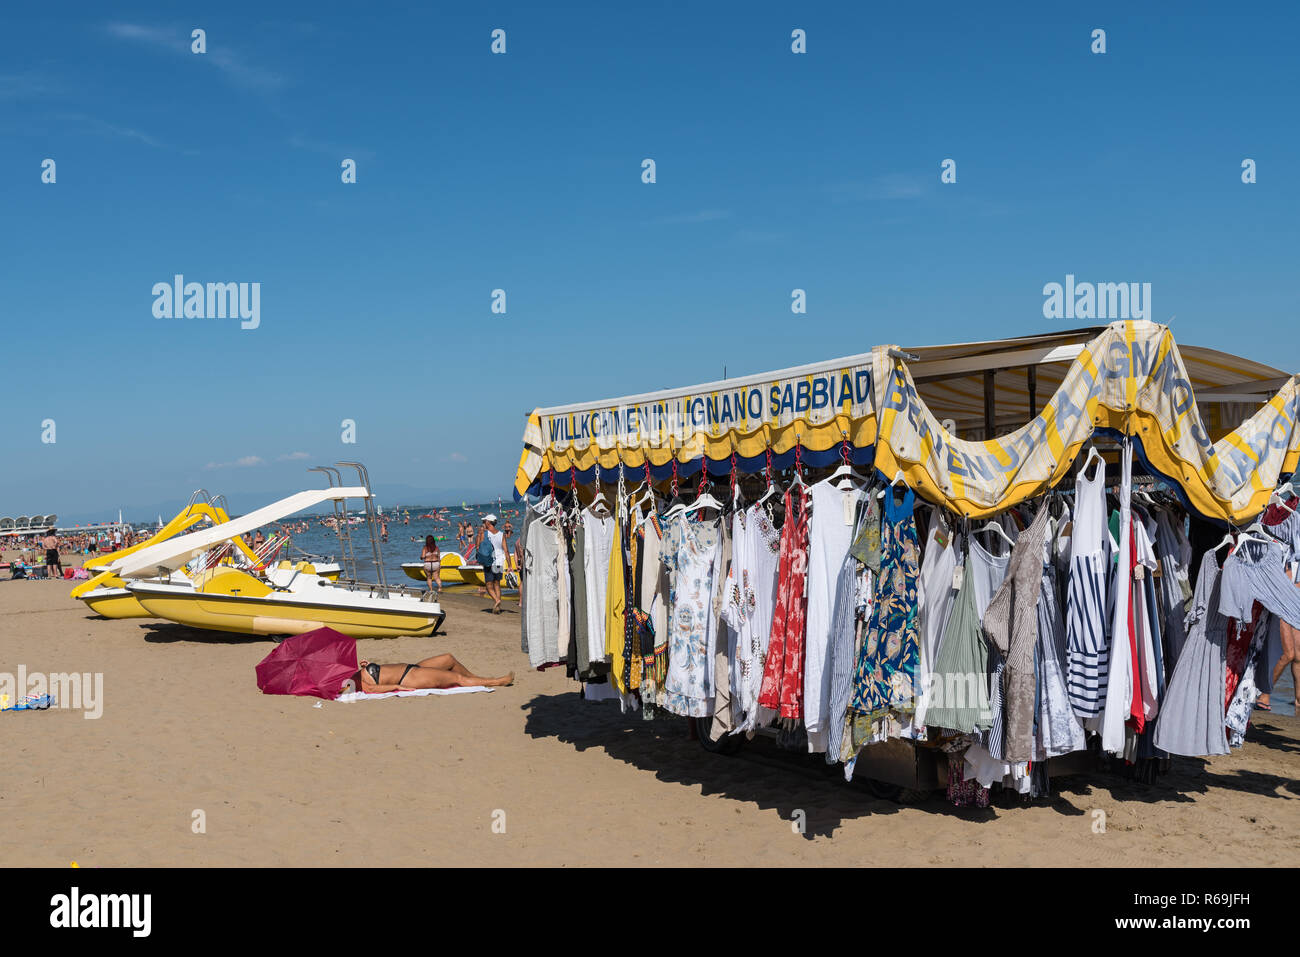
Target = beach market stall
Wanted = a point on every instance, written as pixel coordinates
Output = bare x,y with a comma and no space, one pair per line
1000,555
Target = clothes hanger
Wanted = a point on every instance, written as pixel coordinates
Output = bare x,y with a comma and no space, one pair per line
1281,494
675,505
992,526
598,502
1092,454
798,468
649,493
703,498
772,487
898,477
631,496
845,472
1245,536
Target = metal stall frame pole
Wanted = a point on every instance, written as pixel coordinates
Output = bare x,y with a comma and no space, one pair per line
372,522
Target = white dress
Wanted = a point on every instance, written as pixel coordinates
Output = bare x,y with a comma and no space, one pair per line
750,601
598,542
688,690
830,533
1119,682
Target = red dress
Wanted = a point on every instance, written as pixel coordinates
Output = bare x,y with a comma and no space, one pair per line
1239,635
782,688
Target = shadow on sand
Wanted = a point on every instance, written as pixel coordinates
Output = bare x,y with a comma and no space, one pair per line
166,632
761,773
764,774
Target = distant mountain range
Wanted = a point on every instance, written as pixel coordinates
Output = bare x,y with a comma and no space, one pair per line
386,496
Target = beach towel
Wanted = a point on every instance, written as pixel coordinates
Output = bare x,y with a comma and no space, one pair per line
31,702
414,692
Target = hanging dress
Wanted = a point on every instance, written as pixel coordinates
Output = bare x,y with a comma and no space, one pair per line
854,592
598,540
1123,697
724,714
1087,655
1175,557
1191,717
935,593
1242,705
959,689
885,680
782,687
581,624
829,538
687,690
1058,730
750,601
654,604
616,605
542,610
565,637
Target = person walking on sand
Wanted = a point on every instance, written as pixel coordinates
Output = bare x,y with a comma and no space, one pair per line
1290,656
492,573
432,559
51,543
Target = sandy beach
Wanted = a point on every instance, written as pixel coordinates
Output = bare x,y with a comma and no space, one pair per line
420,781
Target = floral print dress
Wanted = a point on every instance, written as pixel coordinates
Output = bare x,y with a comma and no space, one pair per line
688,690
782,687
891,648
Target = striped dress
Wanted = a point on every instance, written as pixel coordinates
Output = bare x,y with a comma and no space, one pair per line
1087,652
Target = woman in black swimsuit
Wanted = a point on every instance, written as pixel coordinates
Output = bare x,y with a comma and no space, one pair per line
440,671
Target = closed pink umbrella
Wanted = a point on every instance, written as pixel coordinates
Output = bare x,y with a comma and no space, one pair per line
314,663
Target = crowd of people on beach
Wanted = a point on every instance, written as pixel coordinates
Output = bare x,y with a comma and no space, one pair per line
45,550
75,543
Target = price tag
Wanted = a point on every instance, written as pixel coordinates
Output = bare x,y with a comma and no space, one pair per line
957,576
1140,572
849,508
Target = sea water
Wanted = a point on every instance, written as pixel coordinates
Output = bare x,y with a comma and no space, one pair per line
405,542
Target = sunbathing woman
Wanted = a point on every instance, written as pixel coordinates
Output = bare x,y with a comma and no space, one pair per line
440,671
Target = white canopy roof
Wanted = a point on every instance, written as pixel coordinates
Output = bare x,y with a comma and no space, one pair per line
175,552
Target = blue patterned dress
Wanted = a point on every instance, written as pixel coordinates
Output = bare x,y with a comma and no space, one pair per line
883,683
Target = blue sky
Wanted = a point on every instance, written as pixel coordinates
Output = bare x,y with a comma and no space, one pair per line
775,171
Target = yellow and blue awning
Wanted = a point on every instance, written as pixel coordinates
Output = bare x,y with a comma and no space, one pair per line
1221,427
